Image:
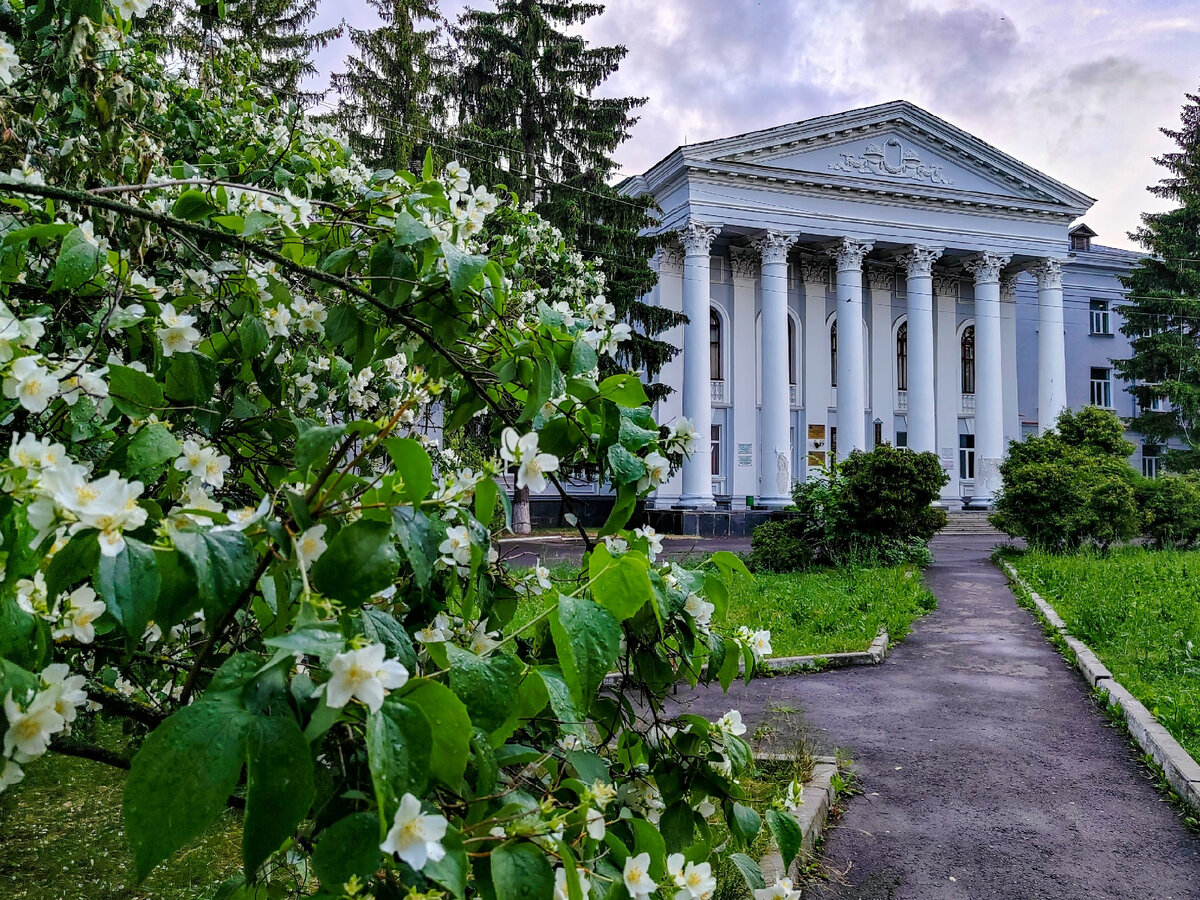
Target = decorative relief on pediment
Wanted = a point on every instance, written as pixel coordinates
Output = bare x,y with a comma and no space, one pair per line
891,158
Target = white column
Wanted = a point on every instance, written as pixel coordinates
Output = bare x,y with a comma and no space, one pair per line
744,263
1052,355
922,418
697,238
882,400
851,381
948,380
1008,358
989,383
775,472
670,408
814,275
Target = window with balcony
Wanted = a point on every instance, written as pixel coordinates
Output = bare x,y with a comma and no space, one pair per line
968,360
966,456
902,357
1101,387
714,345
791,352
1101,317
715,442
833,355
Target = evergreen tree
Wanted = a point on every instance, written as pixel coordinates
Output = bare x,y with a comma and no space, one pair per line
277,29
1163,313
528,118
395,89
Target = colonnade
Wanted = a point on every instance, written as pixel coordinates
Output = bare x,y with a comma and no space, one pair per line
929,300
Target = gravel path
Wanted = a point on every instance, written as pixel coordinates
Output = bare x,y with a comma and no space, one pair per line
987,771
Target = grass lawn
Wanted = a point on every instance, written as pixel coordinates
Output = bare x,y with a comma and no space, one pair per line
1139,610
823,611
63,839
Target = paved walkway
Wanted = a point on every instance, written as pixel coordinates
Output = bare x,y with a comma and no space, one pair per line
987,772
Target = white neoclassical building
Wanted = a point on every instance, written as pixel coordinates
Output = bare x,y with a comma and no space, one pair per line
876,275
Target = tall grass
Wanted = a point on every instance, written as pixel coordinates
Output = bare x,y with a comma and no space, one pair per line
1139,610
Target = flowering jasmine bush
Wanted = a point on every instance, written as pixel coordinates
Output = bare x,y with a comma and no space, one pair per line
227,353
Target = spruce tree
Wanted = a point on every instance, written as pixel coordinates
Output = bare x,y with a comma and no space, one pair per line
528,119
1162,315
395,89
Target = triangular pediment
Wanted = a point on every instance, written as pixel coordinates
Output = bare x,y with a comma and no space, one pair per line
894,146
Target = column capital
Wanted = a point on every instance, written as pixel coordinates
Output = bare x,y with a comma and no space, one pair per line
814,270
744,262
774,246
697,237
1008,288
918,260
849,252
986,266
1048,273
945,284
881,277
670,258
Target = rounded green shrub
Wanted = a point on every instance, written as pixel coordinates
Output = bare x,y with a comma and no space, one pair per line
1170,508
780,546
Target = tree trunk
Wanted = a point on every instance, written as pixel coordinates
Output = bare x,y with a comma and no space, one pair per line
521,522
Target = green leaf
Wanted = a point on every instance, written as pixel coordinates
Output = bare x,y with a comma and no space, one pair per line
751,873
463,268
410,230
315,443
622,509
222,563
399,745
150,449
624,390
451,870
134,393
73,563
279,787
129,584
620,584
786,831
347,848
487,685
626,468
587,639
380,627
560,700
191,379
743,822
487,492
634,436
416,536
78,262
730,564
413,464
678,824
193,205
583,357
648,839
361,560
180,779
521,872
451,728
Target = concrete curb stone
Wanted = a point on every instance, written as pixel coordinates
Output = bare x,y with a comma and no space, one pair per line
1179,768
811,816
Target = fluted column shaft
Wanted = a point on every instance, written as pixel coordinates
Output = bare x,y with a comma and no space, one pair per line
989,383
851,384
775,473
1052,353
922,418
697,238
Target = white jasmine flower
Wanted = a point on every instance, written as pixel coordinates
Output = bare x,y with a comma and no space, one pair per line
795,795
562,892
31,594
177,334
654,539
436,632
31,452
10,775
10,63
637,876
365,674
415,838
457,544
30,383
532,466
82,610
760,644
310,545
595,824
615,544
147,285
130,8
683,437
457,178
731,723
657,469
700,610
706,808
541,579
783,889
29,730
241,519
482,642
63,691
696,880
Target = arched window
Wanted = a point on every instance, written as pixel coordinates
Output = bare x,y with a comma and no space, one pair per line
833,354
902,357
714,345
791,351
968,360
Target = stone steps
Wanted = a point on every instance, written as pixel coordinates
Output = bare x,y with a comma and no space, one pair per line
968,522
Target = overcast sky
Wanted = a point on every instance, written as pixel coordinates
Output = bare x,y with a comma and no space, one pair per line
1074,88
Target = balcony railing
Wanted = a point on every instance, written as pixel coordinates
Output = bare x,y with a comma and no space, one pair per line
718,391
967,407
901,401
794,394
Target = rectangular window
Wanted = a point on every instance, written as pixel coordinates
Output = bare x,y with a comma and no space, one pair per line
716,449
1100,317
1150,460
1102,387
901,438
966,456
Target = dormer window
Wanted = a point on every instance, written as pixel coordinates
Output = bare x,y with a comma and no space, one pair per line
1080,238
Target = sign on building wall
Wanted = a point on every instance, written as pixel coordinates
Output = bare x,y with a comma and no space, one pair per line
745,454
